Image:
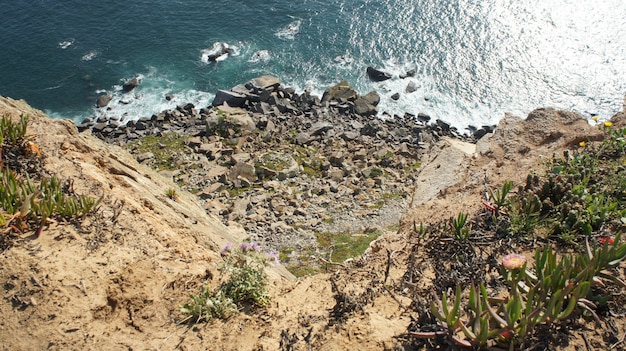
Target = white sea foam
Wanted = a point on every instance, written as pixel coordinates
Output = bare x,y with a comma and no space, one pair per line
218,52
89,56
289,32
260,56
66,43
149,98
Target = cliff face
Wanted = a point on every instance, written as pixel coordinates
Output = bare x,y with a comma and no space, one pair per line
115,280
120,271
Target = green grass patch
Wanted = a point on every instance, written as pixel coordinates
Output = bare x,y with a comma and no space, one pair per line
342,246
165,148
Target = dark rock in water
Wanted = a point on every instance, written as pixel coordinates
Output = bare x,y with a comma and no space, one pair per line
130,85
169,97
103,100
395,96
343,91
411,87
409,73
479,133
377,75
230,97
489,129
423,117
218,51
444,126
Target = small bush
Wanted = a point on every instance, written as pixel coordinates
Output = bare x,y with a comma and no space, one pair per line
246,284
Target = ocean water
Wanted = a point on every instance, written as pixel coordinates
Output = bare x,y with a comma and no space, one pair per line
474,59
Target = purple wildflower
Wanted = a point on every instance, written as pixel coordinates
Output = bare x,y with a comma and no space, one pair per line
273,257
250,246
226,249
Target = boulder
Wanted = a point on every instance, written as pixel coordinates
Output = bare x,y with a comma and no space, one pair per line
372,97
422,117
130,85
395,96
103,100
263,83
232,98
377,75
320,128
342,91
411,87
409,73
363,107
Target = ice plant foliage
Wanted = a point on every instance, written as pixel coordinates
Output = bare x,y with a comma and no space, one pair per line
245,284
550,292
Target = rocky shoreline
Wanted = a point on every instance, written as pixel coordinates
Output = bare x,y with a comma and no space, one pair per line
289,166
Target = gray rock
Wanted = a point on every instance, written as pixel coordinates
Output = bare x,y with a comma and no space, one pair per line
232,98
103,100
130,85
377,75
303,138
145,156
372,97
349,136
342,90
409,73
411,87
363,107
395,96
320,128
263,83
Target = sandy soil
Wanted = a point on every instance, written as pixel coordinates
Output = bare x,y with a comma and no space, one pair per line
115,281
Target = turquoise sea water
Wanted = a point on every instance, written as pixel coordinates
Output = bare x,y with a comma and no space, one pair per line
475,60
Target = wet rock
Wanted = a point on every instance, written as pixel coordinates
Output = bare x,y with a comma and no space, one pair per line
411,87
103,100
377,75
130,85
409,73
395,96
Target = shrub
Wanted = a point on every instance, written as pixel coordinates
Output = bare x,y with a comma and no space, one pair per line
246,283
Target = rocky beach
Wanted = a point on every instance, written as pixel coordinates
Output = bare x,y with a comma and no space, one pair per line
363,209
289,167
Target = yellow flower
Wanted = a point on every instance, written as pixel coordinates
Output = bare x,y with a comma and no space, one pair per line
513,261
608,124
595,118
582,144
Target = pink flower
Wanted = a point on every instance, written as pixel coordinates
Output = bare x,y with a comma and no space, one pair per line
606,239
226,249
250,246
273,257
513,261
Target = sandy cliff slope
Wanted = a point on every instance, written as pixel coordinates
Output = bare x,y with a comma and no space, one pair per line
115,280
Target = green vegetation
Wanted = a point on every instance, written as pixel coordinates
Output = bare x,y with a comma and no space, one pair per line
164,148
246,284
547,294
579,202
27,204
172,194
